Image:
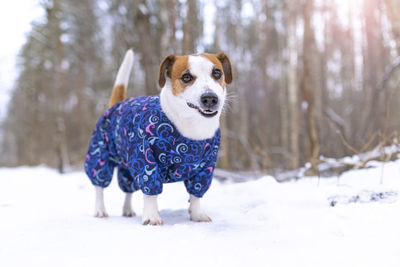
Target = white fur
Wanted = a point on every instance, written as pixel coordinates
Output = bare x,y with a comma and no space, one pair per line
125,69
150,211
196,214
100,210
189,122
127,210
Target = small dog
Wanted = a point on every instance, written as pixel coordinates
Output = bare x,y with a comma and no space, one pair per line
159,139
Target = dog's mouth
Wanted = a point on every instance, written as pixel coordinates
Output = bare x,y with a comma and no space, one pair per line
205,112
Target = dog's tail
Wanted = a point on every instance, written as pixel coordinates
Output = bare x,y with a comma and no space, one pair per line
121,82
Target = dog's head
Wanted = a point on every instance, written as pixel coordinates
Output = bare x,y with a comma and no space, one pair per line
197,83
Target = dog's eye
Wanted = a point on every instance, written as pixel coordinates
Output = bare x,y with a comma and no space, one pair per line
187,78
216,73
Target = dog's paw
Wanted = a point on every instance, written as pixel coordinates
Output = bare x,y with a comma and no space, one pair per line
199,217
152,220
100,213
128,213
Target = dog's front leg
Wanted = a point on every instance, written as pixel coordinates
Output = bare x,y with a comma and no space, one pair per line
100,210
196,214
150,211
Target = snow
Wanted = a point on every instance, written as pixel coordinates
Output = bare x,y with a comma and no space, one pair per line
46,220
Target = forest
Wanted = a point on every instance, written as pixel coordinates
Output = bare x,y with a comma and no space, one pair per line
312,79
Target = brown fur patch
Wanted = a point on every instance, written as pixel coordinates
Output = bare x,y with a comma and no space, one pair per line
174,67
213,58
180,66
222,62
118,94
165,69
226,66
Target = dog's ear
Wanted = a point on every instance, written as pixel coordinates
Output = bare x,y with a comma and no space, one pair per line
165,69
226,65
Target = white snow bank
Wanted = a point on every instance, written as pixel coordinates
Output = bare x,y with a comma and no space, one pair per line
46,220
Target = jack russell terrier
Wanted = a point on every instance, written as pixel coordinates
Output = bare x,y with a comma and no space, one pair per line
165,138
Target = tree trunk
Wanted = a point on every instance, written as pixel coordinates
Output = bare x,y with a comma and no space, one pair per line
293,86
372,69
393,14
308,88
172,22
147,49
187,48
283,98
190,27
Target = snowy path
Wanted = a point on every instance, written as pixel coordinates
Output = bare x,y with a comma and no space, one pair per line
46,220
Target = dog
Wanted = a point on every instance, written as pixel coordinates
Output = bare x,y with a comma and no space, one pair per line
170,137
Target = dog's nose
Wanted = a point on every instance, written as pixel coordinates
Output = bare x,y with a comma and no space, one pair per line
209,100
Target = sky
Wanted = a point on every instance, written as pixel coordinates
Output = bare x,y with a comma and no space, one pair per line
15,24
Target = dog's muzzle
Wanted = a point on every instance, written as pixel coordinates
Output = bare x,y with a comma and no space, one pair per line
209,105
205,112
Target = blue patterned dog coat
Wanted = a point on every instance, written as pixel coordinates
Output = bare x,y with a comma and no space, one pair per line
138,138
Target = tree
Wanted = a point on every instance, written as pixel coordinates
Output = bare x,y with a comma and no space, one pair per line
192,28
308,87
293,85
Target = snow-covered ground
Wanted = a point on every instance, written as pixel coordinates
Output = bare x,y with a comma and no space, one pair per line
46,220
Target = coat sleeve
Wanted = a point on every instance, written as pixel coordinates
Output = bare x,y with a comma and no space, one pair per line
199,184
150,181
144,166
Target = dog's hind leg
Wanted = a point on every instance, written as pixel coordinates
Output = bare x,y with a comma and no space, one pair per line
127,185
127,210
100,210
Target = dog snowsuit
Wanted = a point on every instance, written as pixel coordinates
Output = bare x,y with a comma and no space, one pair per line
137,137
